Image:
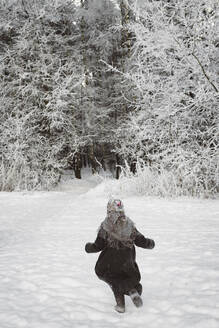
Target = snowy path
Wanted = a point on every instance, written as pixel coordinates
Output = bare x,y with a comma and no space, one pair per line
47,280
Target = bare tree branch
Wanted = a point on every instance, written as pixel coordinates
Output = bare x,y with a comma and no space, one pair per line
204,72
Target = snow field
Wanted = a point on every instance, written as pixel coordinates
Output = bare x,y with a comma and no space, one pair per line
48,281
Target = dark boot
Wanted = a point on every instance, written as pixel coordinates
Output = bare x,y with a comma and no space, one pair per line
136,298
139,288
120,302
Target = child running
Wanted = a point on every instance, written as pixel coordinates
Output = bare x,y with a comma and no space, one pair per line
116,264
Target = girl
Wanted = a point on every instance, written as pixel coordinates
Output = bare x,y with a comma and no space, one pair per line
116,264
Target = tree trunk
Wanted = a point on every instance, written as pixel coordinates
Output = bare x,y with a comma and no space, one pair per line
92,159
103,157
118,169
77,166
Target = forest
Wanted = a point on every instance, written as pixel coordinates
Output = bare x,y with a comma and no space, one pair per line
129,86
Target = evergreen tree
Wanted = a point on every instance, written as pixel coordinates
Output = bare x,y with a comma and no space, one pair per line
100,92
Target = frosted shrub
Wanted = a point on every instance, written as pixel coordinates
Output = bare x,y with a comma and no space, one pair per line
159,181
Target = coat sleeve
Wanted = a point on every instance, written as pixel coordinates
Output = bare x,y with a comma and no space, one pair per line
143,242
97,246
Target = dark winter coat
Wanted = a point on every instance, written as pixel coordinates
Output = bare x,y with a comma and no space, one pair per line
117,266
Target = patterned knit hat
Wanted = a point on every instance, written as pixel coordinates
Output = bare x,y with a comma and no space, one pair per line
115,205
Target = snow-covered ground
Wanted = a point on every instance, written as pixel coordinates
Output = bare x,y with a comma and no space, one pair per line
48,281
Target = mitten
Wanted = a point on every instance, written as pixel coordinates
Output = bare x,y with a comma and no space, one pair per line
88,247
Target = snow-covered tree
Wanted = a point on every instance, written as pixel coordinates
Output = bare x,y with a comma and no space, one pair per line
40,76
100,92
174,70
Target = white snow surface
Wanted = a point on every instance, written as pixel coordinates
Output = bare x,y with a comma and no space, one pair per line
48,281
